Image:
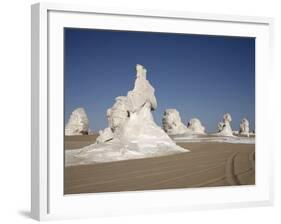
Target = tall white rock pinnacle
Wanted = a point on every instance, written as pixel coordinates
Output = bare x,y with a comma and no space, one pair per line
131,132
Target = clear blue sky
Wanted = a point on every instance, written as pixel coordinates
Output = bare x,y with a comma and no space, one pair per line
201,76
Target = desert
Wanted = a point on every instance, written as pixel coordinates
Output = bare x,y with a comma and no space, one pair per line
208,164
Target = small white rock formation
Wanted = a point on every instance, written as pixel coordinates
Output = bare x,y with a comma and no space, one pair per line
132,132
78,123
244,128
116,117
172,123
224,128
195,126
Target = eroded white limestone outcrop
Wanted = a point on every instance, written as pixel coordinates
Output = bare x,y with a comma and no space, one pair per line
172,123
195,126
244,128
224,128
131,132
78,123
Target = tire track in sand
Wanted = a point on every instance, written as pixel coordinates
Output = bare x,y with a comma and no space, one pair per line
231,178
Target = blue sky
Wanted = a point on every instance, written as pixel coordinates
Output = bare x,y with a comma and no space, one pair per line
201,76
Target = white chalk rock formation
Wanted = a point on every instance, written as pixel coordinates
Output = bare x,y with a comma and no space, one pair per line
172,123
132,132
244,128
224,128
78,123
195,126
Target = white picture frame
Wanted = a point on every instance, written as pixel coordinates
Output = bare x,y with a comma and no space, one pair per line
48,200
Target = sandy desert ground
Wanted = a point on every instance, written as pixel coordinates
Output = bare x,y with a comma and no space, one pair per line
207,165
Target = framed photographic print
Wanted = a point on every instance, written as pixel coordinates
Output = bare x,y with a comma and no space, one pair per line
148,111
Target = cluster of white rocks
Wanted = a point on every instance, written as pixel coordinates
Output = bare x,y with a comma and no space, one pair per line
118,114
173,125
132,132
224,127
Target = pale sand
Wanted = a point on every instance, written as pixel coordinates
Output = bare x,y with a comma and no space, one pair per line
208,164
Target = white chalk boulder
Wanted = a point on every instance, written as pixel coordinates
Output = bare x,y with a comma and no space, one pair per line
78,123
172,123
244,128
195,126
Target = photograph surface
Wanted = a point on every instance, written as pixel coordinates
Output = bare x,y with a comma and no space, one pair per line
151,111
